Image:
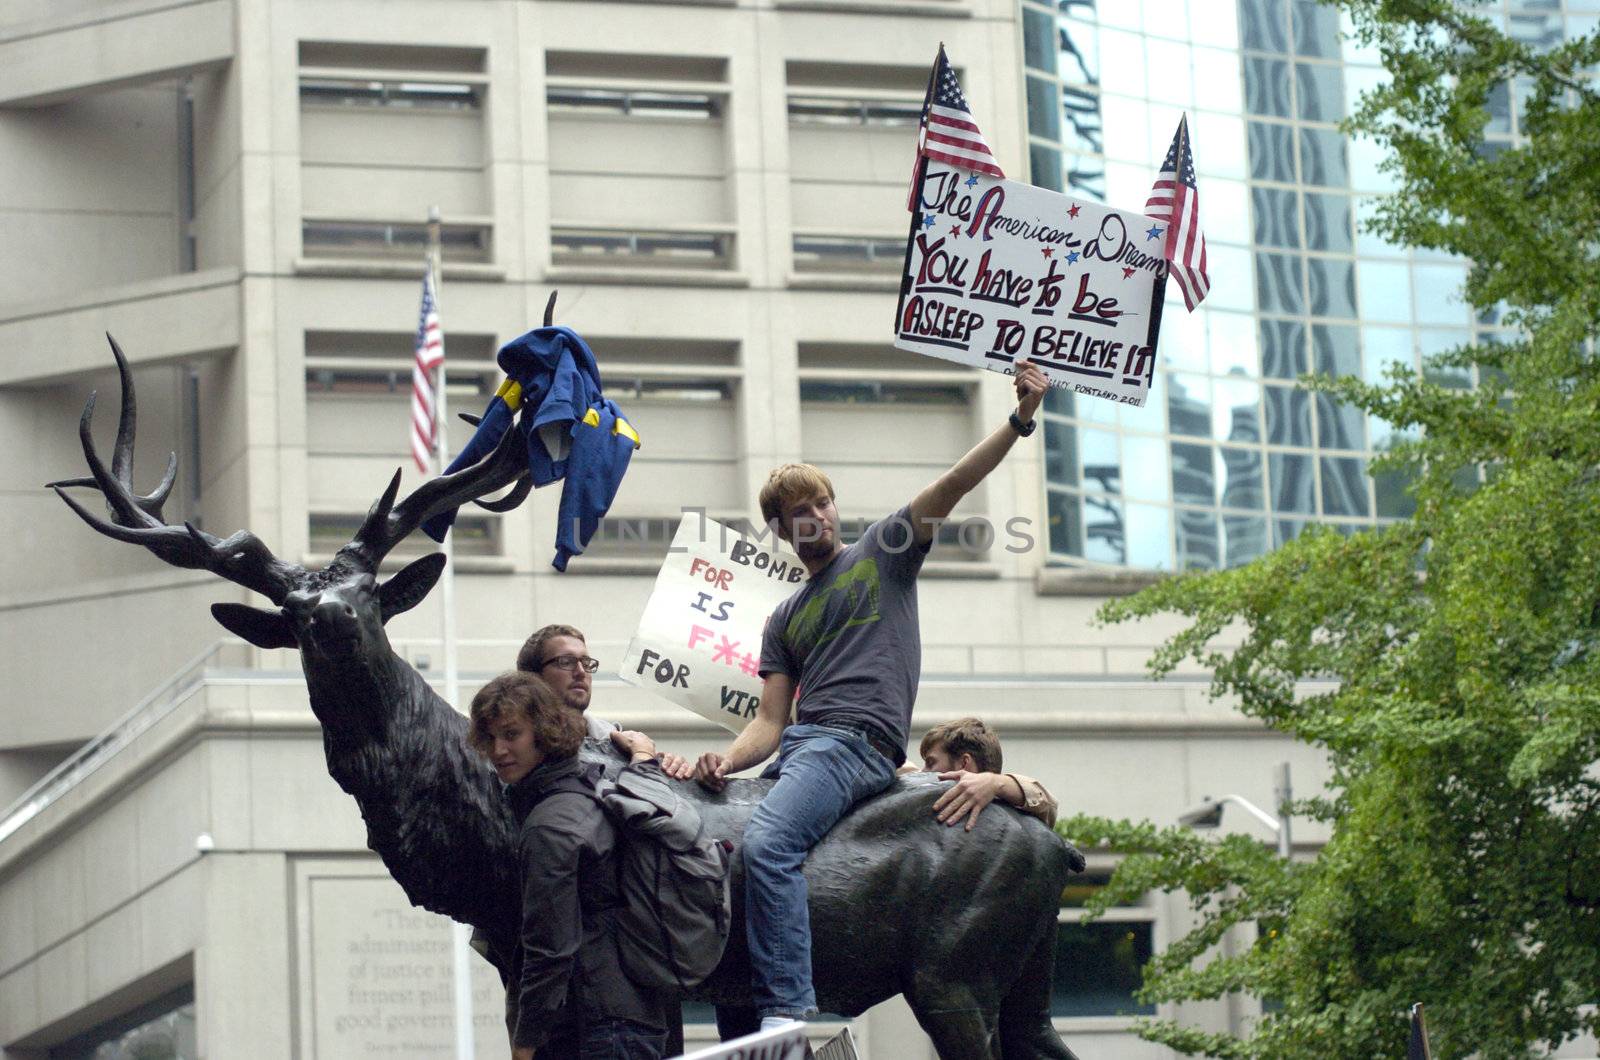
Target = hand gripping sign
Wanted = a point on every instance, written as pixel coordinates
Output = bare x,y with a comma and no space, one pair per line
699,639
999,271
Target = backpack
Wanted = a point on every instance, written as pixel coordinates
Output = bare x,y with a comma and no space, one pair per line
672,879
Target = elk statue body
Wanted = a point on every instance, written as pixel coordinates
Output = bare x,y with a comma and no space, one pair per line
962,923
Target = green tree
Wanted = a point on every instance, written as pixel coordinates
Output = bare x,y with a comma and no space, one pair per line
1463,643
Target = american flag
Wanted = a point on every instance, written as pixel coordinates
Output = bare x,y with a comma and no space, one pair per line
430,355
1175,200
948,133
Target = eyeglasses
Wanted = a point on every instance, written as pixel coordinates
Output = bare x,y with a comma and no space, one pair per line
570,663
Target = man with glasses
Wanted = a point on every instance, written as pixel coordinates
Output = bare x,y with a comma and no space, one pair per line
560,655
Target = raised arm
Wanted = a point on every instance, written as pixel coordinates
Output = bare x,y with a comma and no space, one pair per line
935,503
759,738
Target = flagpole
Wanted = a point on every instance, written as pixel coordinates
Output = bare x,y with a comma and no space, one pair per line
461,934
922,174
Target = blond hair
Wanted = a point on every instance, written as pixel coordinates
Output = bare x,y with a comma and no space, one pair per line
788,484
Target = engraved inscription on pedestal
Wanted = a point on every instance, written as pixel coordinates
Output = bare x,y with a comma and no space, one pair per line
381,982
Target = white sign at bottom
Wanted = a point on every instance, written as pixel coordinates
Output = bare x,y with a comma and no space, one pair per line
780,1043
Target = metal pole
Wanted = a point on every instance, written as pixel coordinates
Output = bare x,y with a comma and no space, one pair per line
1281,795
460,934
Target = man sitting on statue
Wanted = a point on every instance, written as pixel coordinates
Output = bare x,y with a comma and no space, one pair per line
848,643
968,752
559,655
566,992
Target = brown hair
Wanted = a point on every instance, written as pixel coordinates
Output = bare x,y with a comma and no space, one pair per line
787,484
530,658
966,736
557,731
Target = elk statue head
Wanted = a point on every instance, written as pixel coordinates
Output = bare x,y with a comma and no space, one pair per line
334,615
432,807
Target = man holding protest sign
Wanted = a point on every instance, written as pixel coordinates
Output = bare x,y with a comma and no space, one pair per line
559,655
849,645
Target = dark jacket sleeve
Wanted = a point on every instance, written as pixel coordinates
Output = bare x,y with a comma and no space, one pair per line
551,848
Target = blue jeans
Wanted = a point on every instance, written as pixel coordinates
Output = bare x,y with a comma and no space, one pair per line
822,773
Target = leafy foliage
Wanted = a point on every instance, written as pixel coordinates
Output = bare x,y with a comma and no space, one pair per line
1453,659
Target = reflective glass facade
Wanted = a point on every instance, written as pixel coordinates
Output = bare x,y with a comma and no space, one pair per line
1229,458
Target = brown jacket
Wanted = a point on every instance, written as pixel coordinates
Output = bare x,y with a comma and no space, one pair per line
1036,799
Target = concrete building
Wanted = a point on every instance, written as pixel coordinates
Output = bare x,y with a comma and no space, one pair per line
236,189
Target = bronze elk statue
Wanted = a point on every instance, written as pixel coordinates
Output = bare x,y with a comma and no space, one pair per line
962,923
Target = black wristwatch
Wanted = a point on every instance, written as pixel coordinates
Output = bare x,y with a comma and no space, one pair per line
1023,429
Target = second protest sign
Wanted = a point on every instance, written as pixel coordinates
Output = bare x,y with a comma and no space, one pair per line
1000,271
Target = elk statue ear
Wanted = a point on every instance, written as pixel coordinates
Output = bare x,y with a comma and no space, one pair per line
264,629
408,588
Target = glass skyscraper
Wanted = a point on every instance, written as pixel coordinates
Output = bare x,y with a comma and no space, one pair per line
1229,458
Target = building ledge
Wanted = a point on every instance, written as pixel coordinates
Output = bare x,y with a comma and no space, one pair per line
1080,581
122,294
960,570
463,564
879,7
843,281
157,321
647,277
373,269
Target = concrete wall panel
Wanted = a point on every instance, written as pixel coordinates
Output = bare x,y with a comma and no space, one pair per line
391,194
112,852
58,892
116,957
19,924
173,811
63,972
295,804
643,203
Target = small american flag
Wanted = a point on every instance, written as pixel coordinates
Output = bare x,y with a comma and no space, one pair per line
1175,200
430,355
948,133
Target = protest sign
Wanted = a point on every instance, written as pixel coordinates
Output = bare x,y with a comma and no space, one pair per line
999,271
780,1043
699,639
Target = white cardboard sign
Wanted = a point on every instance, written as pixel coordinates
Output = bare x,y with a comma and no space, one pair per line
1000,271
781,1043
699,639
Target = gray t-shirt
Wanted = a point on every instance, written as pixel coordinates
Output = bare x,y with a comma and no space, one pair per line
850,639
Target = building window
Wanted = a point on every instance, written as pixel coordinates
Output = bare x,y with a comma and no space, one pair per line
817,253
855,400
633,537
392,95
828,110
690,105
324,238
571,245
852,132
386,132
855,392
1099,966
686,389
639,161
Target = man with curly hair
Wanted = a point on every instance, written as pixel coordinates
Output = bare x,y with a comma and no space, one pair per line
566,992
